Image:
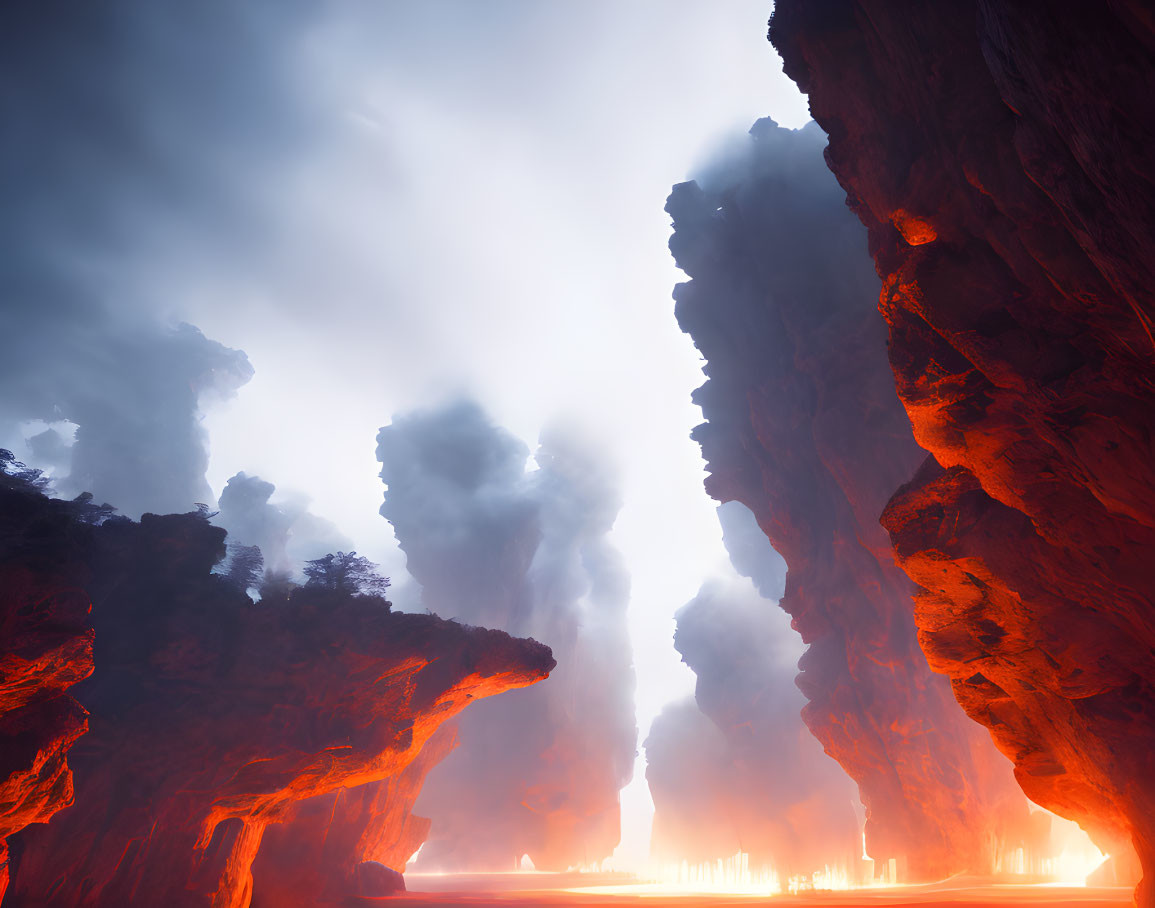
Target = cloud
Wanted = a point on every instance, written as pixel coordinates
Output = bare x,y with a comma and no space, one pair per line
493,543
374,203
132,162
134,397
750,551
286,532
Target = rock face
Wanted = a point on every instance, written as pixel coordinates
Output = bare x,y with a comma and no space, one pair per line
45,648
1000,155
804,428
212,717
333,844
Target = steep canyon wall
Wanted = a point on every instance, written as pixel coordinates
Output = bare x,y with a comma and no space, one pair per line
45,648
804,428
1000,155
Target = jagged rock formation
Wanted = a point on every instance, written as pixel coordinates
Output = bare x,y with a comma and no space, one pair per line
45,648
804,428
321,850
1000,155
212,717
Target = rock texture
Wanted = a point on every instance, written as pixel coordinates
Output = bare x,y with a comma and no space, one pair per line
1001,156
212,717
321,851
45,648
804,428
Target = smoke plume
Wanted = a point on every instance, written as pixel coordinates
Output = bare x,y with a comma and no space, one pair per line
128,160
286,532
539,770
772,793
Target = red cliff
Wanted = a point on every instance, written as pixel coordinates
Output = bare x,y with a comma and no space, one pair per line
805,429
318,852
213,717
45,648
1001,157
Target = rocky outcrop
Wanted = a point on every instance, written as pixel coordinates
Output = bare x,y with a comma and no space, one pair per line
212,717
45,648
1000,155
321,851
804,428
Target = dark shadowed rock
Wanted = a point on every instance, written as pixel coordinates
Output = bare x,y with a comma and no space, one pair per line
317,853
376,880
212,717
804,428
1000,155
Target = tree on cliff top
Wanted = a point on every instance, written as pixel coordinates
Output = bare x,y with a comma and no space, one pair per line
246,566
346,572
14,474
18,476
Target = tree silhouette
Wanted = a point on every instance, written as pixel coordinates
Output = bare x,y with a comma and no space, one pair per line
276,586
346,572
245,567
18,475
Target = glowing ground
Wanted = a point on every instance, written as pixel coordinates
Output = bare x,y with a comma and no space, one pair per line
521,890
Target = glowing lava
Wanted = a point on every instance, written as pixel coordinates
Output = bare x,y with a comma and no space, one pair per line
735,875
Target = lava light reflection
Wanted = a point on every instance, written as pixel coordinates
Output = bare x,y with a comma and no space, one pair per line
1069,859
733,876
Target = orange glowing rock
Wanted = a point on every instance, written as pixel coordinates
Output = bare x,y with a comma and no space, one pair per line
1023,356
916,231
213,717
318,851
45,648
805,429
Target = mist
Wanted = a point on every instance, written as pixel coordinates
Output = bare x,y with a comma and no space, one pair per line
735,769
804,427
492,543
125,178
286,532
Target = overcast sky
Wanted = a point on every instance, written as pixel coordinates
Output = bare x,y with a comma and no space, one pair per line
419,199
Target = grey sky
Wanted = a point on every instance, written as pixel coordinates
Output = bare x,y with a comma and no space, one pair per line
486,215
